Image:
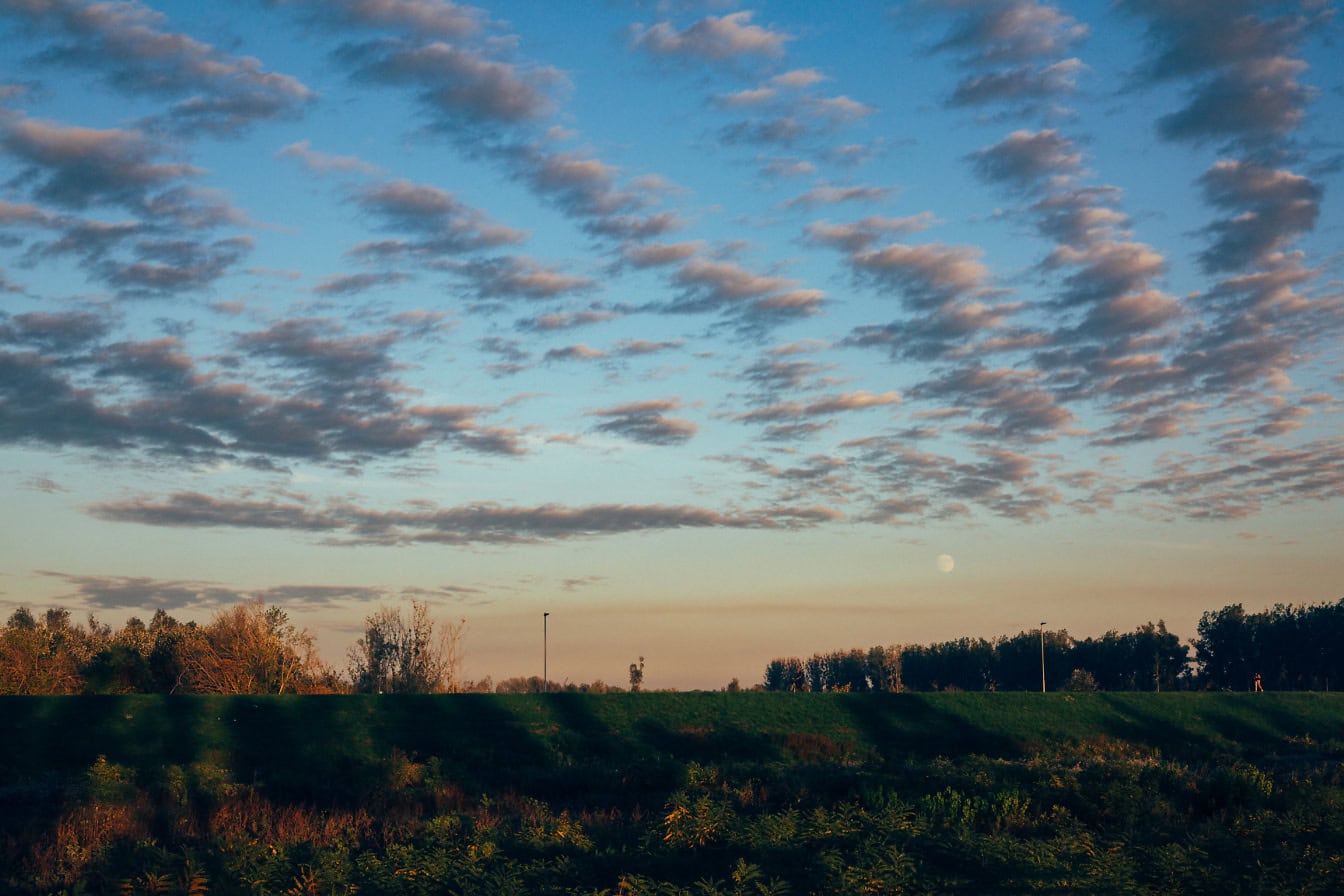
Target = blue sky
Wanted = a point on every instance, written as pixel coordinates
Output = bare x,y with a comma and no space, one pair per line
707,328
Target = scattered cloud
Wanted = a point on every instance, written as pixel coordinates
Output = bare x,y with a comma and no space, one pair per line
647,422
483,523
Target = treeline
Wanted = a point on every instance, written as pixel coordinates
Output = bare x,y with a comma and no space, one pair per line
1290,647
245,649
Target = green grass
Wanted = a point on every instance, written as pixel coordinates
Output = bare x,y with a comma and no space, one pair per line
312,737
658,793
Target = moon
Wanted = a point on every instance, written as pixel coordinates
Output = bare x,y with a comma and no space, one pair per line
946,563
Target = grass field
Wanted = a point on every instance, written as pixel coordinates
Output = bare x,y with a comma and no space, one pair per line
673,793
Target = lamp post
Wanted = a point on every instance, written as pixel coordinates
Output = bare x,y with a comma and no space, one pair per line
1042,657
545,672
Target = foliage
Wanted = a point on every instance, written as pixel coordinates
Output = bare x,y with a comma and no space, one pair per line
1150,658
414,654
1292,647
697,794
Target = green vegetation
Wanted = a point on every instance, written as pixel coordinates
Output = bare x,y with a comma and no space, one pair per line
708,793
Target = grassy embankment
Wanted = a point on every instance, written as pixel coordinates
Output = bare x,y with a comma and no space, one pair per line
653,793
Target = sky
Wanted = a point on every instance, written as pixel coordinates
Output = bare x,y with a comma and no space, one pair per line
719,332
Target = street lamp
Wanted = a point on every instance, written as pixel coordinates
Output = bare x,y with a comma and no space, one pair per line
545,673
1042,657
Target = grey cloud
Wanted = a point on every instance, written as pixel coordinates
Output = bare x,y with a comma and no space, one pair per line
920,484
828,194
143,592
58,331
170,267
1220,487
515,277
1017,84
1256,101
1249,90
353,284
437,18
633,347
126,43
835,404
446,224
335,398
79,167
568,320
712,39
1008,31
579,352
927,275
709,286
774,375
647,422
483,523
859,235
660,254
1008,399
325,163
458,86
1106,269
1079,216
1270,208
944,332
1025,159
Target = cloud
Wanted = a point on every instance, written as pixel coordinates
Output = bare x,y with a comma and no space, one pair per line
1017,84
126,44
568,320
482,523
579,352
352,284
458,86
334,398
1270,207
79,167
144,593
911,484
660,254
60,332
434,18
711,39
1219,487
325,163
848,401
168,267
926,276
829,194
443,224
708,285
1009,31
1247,89
647,422
515,277
859,235
1024,159
1008,399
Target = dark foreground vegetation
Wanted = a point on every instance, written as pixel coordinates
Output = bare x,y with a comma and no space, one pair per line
710,793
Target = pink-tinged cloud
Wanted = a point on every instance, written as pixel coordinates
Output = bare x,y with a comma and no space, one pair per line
712,39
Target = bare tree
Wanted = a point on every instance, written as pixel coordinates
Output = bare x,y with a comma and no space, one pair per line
415,655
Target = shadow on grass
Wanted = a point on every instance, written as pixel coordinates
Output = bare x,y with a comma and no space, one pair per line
341,750
900,726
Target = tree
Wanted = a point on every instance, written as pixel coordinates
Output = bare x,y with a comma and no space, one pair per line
250,649
637,675
411,655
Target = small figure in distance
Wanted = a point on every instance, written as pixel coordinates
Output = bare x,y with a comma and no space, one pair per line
1259,687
